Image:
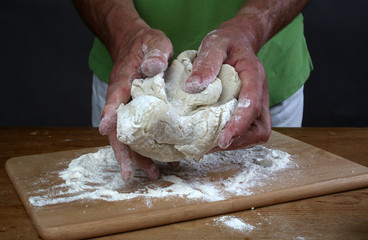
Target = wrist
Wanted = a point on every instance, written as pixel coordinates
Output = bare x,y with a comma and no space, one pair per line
258,21
121,27
111,21
251,26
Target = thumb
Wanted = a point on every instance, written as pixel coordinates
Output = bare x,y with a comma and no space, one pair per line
156,58
206,66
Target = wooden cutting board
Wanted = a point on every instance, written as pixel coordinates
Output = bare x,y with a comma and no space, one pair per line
315,172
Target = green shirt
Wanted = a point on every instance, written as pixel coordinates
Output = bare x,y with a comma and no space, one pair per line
285,57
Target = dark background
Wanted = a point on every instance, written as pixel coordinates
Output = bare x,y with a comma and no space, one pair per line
45,80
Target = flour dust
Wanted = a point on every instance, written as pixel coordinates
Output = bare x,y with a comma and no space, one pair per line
217,176
234,223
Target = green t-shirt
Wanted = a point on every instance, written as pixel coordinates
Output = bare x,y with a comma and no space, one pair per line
285,57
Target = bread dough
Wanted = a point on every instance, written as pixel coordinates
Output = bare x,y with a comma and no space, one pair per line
165,123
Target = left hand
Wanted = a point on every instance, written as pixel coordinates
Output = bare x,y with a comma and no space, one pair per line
251,121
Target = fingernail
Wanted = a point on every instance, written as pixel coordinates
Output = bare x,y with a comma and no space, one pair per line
105,126
102,127
224,144
127,176
193,85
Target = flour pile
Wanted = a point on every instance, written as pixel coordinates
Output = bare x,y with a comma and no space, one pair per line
234,223
96,176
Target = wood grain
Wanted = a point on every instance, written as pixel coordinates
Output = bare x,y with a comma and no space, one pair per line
335,216
318,173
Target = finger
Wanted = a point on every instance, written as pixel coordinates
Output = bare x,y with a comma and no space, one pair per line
207,65
156,57
258,133
108,116
147,165
238,123
123,157
252,98
118,92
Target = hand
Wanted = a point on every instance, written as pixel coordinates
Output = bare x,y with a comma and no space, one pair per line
137,51
251,121
141,53
236,42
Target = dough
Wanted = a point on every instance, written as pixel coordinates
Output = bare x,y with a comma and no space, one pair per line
165,123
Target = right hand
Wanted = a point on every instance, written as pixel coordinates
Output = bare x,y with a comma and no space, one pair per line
138,53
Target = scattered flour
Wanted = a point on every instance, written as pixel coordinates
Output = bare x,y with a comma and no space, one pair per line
234,223
97,176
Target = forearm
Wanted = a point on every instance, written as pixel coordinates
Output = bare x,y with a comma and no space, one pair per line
261,20
110,20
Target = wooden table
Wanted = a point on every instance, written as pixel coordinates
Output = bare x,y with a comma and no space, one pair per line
336,216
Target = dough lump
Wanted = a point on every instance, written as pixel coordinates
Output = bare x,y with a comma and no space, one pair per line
165,123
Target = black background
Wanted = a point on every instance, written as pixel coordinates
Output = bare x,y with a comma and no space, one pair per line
45,80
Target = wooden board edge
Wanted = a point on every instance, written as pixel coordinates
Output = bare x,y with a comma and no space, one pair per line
157,218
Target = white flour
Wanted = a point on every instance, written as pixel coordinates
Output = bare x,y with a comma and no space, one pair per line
234,223
97,176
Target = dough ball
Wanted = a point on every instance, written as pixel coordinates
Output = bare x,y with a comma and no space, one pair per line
165,123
